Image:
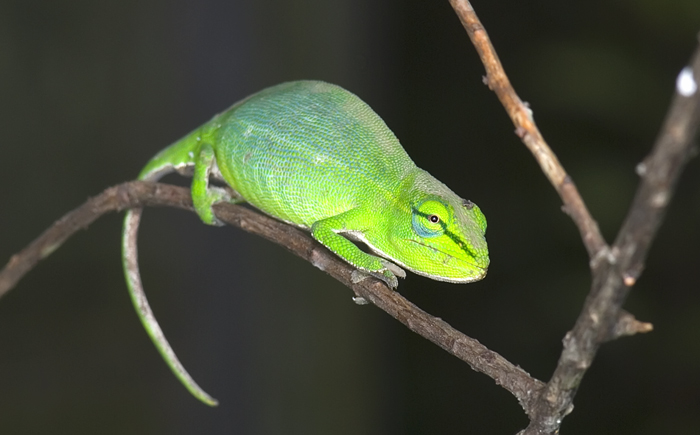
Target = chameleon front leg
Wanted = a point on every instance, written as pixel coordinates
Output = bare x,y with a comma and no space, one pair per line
326,232
204,195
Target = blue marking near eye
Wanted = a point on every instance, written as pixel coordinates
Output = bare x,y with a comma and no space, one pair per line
420,220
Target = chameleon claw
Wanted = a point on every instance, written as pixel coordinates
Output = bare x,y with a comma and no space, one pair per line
396,270
389,278
385,275
215,195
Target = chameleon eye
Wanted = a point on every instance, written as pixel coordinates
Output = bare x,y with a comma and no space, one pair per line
429,217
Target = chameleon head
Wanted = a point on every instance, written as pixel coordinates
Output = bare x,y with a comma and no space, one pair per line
443,237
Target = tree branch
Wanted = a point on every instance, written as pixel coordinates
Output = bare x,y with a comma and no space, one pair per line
139,194
614,277
525,127
615,270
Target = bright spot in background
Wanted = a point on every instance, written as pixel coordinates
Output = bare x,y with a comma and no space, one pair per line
685,83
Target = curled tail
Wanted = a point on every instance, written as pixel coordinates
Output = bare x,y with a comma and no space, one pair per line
156,168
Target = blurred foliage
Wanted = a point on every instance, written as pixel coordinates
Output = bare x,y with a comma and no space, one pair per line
90,90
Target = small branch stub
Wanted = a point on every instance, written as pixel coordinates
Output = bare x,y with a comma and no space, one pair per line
627,325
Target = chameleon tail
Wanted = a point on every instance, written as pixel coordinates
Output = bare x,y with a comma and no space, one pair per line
168,160
138,297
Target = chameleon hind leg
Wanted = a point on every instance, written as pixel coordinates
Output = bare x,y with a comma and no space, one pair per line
203,194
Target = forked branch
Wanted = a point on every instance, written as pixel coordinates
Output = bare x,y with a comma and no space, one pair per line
615,269
621,266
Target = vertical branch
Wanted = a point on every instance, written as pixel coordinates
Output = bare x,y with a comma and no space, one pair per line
527,130
614,278
615,270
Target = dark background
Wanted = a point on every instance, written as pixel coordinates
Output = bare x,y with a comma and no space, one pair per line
89,91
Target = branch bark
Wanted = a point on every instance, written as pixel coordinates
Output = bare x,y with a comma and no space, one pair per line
141,194
615,269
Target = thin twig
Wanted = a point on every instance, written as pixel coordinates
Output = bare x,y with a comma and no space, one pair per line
527,130
115,198
139,194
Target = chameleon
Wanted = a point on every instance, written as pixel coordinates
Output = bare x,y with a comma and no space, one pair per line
315,156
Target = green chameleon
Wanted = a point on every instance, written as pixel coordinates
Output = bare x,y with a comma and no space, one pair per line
316,156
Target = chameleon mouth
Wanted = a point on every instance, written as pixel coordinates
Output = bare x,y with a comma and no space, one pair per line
449,257
477,272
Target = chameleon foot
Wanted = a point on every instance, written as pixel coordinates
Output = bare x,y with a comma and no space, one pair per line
388,275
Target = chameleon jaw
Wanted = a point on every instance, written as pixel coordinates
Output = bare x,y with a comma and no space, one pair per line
471,268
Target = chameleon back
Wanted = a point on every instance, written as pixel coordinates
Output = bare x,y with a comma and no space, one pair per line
308,140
